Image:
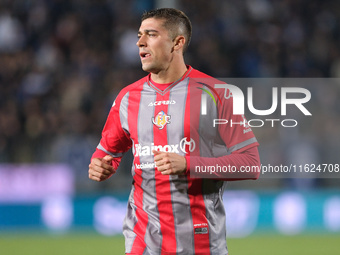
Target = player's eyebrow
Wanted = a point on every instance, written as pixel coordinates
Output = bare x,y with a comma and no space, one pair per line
148,31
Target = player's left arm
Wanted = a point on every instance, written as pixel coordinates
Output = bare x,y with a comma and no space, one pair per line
246,162
241,160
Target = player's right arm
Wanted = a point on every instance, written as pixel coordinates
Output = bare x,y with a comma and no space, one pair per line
115,141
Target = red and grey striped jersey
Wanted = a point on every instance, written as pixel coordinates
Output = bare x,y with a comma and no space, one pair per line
176,214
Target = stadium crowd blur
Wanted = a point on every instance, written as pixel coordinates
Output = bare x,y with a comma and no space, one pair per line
62,62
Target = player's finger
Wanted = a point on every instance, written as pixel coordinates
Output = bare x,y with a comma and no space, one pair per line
99,175
164,167
96,161
160,163
98,178
99,170
100,164
155,152
158,155
94,178
108,159
163,157
166,172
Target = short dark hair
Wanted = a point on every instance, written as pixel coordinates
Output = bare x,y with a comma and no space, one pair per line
176,22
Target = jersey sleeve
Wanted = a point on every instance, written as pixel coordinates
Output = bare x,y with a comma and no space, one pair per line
235,131
115,141
241,158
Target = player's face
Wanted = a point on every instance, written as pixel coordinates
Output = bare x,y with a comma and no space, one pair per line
155,45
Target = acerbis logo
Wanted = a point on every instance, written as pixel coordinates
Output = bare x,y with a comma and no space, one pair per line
184,146
167,102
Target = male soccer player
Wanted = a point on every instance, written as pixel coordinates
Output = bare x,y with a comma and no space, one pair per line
169,211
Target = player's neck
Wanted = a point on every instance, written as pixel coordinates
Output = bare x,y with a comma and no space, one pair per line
173,73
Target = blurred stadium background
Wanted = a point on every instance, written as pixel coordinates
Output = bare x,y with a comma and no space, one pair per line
62,62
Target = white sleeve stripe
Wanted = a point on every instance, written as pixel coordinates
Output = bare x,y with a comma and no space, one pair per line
242,144
115,155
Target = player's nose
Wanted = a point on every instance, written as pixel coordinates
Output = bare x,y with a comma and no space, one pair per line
141,41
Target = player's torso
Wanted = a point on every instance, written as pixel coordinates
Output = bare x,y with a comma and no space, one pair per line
171,206
157,120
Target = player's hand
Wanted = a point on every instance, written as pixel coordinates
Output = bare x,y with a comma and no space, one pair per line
169,163
100,169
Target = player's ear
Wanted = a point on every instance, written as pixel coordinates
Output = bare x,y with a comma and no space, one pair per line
179,42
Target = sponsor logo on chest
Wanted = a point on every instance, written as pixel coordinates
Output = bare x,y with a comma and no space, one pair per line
184,146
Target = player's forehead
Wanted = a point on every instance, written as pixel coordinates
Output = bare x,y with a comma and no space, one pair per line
152,24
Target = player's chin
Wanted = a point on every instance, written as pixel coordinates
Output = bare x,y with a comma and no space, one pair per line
146,67
149,67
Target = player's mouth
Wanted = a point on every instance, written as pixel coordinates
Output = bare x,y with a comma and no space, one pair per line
144,55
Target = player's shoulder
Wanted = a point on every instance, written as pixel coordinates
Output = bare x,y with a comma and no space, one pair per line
196,74
130,89
137,85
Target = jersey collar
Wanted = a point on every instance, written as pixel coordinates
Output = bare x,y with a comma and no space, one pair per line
171,85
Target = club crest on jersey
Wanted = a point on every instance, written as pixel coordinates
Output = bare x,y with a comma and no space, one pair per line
161,119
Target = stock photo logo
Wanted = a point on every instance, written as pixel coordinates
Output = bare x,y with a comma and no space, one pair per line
280,99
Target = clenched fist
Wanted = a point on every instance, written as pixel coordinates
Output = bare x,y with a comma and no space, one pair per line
100,169
169,163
